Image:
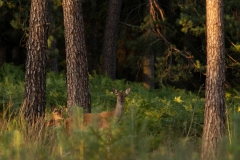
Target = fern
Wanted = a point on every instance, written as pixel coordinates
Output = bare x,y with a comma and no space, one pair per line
153,120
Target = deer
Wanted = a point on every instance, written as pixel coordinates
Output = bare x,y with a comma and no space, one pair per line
56,118
103,119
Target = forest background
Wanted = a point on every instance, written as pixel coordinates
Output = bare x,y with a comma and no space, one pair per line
175,45
175,40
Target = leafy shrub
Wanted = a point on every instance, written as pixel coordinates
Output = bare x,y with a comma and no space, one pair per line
56,89
11,84
163,123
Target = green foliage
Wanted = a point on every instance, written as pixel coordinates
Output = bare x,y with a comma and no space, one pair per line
11,84
56,89
189,26
192,22
164,111
235,48
1,3
57,3
183,27
192,18
174,67
165,123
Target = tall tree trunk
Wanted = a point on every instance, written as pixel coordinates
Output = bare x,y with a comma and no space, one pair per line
77,68
110,38
148,59
92,39
35,76
214,116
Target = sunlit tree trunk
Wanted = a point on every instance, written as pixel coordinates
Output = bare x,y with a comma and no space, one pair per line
76,57
110,38
35,76
214,116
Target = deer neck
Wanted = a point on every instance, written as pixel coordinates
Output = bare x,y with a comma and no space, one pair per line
118,110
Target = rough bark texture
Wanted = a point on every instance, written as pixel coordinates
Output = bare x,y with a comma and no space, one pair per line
110,38
76,56
214,117
35,76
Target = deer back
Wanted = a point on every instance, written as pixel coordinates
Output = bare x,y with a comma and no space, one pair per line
102,120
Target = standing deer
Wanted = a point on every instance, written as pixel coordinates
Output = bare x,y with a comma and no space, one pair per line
103,119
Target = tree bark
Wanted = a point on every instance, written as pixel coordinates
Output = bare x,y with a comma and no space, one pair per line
110,38
214,116
148,59
76,57
35,76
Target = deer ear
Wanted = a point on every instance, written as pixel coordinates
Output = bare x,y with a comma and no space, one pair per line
127,90
115,91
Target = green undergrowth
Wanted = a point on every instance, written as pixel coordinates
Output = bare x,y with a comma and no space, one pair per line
164,123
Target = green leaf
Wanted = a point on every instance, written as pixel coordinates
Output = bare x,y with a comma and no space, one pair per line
178,99
1,3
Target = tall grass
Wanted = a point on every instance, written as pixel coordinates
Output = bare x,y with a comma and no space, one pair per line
127,140
38,142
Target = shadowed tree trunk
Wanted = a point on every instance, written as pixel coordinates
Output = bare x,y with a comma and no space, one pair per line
77,68
214,116
110,38
92,39
35,76
148,71
148,59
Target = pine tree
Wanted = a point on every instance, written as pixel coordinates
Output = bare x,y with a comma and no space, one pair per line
76,57
35,75
214,115
110,38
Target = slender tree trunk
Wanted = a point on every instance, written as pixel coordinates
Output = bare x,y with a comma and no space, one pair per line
214,116
35,76
148,59
148,71
110,38
77,68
